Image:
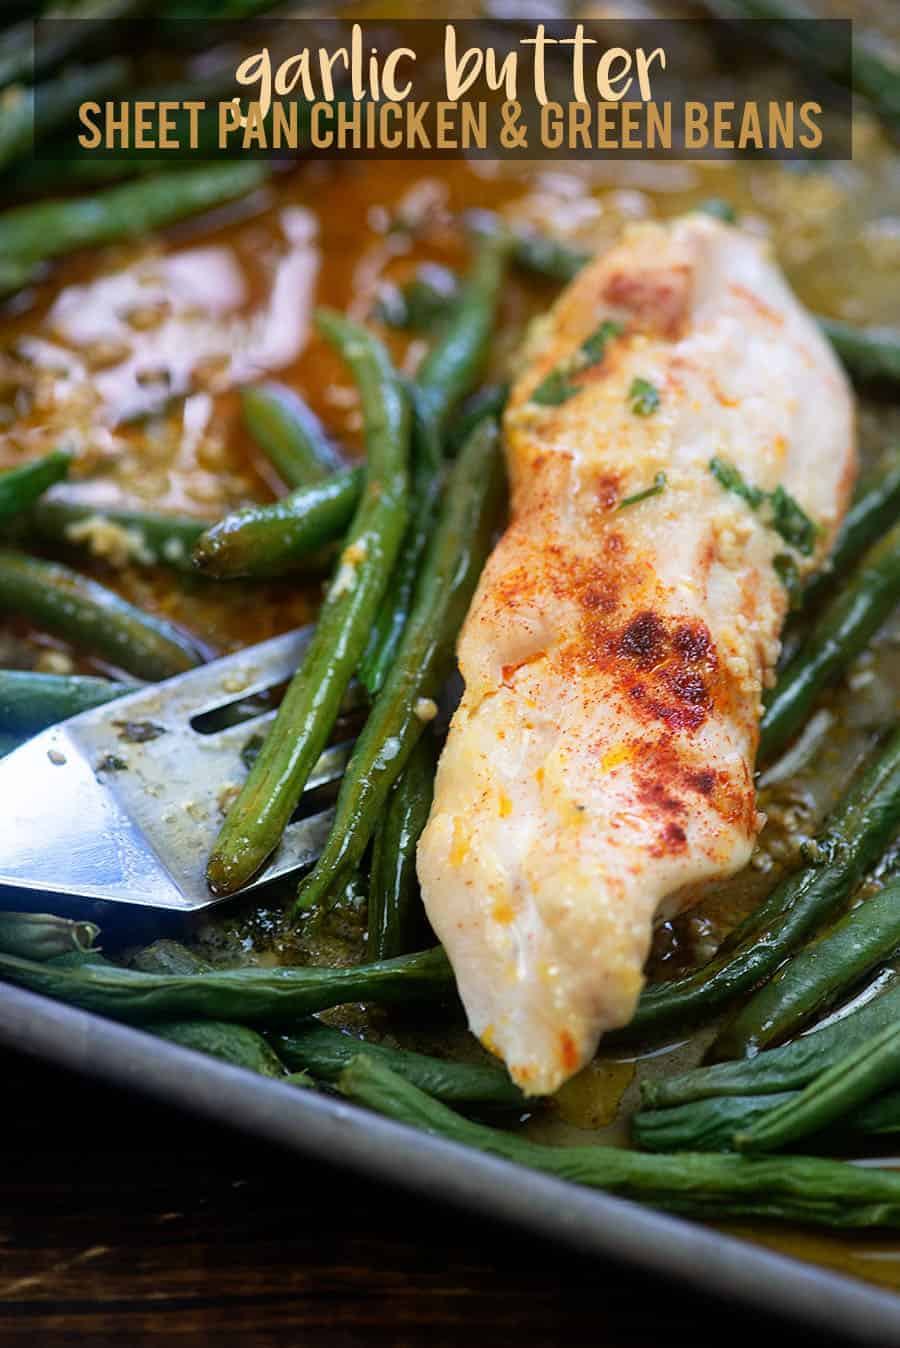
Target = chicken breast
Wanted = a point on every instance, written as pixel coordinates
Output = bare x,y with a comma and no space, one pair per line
679,441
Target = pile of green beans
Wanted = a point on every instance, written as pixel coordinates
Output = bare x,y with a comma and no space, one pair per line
455,555
32,235
325,1052
307,714
850,1082
787,1068
796,1188
816,977
712,1125
446,375
89,615
21,487
852,839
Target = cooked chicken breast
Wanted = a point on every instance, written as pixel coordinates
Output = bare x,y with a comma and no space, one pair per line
600,765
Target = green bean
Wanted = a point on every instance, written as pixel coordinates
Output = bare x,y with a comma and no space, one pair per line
226,1040
711,1125
21,58
275,539
815,977
871,355
779,1069
856,63
151,537
30,702
42,936
447,579
29,114
235,1044
840,634
53,597
875,508
325,1053
308,711
289,433
834,1093
702,1125
553,258
852,839
445,376
31,235
394,912
246,996
19,487
797,1188
489,401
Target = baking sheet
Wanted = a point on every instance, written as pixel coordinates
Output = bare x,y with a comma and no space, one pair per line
342,1134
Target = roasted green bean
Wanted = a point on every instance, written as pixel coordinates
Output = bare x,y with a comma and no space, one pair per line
145,536
447,579
830,1096
871,355
20,487
29,114
815,977
289,433
271,540
31,235
247,996
394,912
841,632
779,1069
852,839
30,702
70,605
797,1188
308,711
875,508
325,1053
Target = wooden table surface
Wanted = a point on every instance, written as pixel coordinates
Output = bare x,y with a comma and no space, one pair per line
125,1223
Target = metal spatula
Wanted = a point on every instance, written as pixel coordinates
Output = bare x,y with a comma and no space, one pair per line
124,802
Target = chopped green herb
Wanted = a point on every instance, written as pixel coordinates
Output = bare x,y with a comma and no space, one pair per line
643,397
787,572
593,348
429,297
554,389
782,513
730,478
557,386
659,483
792,522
